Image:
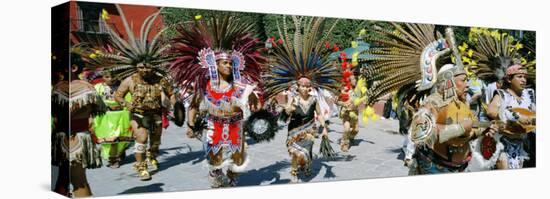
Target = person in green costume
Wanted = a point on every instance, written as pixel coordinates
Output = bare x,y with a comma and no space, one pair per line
113,128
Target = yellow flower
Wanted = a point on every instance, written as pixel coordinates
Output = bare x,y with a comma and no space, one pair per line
470,53
518,46
354,44
495,34
104,14
362,32
470,74
354,58
523,61
474,30
486,32
463,47
198,17
358,101
369,113
471,36
465,60
362,86
93,56
473,63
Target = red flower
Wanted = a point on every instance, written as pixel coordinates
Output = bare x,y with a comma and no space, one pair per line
344,65
344,97
327,45
335,48
343,56
347,74
280,41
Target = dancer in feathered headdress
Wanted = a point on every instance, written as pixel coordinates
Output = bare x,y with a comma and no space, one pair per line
442,126
139,62
494,57
74,103
351,96
302,61
219,58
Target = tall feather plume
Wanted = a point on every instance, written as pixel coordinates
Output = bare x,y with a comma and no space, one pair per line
123,55
492,53
302,56
224,32
395,57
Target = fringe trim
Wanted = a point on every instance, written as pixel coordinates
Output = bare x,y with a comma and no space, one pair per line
230,165
60,97
478,162
298,151
60,150
86,153
224,164
240,168
82,99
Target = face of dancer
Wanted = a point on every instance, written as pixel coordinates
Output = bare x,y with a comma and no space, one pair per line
108,79
144,71
224,67
304,88
517,82
461,86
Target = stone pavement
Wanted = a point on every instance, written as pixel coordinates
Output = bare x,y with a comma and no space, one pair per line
376,153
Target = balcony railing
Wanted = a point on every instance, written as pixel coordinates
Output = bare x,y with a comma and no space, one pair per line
91,26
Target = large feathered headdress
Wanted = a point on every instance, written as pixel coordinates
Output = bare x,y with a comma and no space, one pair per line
403,57
199,44
302,56
492,53
125,54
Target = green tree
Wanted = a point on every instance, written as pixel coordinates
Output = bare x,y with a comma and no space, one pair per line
174,16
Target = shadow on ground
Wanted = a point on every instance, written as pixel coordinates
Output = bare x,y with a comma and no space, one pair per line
156,187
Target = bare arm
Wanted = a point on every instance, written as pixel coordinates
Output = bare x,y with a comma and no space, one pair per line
255,103
193,109
289,108
320,114
192,114
122,90
321,119
169,91
493,109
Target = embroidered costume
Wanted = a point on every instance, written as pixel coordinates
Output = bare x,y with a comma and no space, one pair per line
493,57
199,52
303,60
441,141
